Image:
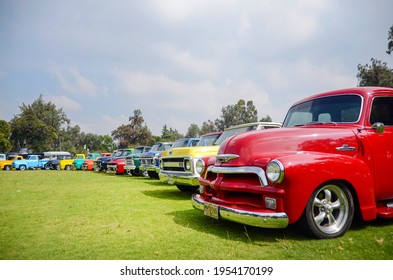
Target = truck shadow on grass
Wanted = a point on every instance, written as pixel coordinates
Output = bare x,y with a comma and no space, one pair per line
170,193
237,232
233,231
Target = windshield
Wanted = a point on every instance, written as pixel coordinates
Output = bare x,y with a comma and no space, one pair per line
117,154
208,140
332,109
231,132
126,153
180,143
138,150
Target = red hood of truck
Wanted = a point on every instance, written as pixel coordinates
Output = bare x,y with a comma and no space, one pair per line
253,145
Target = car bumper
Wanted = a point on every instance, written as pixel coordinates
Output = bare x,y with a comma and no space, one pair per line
149,168
130,167
111,170
178,178
247,217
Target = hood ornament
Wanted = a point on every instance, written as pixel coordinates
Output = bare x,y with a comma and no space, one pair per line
226,157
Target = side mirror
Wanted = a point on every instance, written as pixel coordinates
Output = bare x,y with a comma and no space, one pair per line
378,127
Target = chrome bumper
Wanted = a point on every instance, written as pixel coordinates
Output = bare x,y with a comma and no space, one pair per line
257,219
149,168
179,178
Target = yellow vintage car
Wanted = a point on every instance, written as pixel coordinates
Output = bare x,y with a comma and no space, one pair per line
66,164
7,164
181,166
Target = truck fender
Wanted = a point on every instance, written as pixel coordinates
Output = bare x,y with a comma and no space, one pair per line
308,171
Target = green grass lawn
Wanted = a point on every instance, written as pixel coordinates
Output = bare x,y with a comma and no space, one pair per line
77,215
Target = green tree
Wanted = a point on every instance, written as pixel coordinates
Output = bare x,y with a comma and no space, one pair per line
69,139
239,113
38,126
141,134
208,127
133,134
390,41
193,131
5,133
123,135
170,134
106,143
375,74
266,119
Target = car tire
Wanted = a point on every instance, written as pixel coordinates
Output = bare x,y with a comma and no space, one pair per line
7,168
22,167
67,167
187,189
329,211
152,174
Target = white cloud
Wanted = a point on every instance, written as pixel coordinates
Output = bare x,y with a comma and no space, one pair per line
178,104
65,102
181,61
71,81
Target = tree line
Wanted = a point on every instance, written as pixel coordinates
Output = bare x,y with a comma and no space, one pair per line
41,126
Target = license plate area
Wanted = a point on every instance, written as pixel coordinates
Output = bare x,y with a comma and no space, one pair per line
210,210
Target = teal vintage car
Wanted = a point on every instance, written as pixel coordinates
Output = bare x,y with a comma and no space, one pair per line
78,162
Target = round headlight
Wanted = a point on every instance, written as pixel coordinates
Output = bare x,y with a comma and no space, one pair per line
187,165
200,166
275,171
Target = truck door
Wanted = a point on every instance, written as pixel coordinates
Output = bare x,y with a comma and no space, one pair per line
382,146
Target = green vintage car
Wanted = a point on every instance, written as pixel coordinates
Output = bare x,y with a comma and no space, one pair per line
133,161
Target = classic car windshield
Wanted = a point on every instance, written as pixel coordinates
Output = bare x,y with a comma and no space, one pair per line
331,109
231,132
208,140
117,154
140,150
180,143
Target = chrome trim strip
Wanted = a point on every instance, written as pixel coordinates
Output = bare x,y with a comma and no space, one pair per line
346,147
240,170
257,219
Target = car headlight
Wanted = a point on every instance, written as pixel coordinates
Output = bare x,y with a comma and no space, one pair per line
187,165
200,166
161,164
275,171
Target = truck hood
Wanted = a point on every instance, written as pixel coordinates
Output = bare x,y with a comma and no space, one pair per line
252,145
199,151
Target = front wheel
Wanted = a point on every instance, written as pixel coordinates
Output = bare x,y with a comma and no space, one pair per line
22,167
329,211
187,189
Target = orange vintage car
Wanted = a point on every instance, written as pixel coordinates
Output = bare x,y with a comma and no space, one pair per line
88,164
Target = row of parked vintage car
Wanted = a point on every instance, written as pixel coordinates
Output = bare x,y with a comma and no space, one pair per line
331,158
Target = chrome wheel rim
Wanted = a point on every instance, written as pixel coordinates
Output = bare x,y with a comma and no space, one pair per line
330,209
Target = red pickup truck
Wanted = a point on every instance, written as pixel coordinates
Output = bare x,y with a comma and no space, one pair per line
332,158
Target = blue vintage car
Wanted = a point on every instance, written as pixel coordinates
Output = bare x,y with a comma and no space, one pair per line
149,161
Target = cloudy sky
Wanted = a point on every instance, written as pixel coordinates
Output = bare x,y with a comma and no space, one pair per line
181,61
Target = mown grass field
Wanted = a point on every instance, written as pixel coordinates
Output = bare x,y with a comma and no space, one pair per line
76,215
